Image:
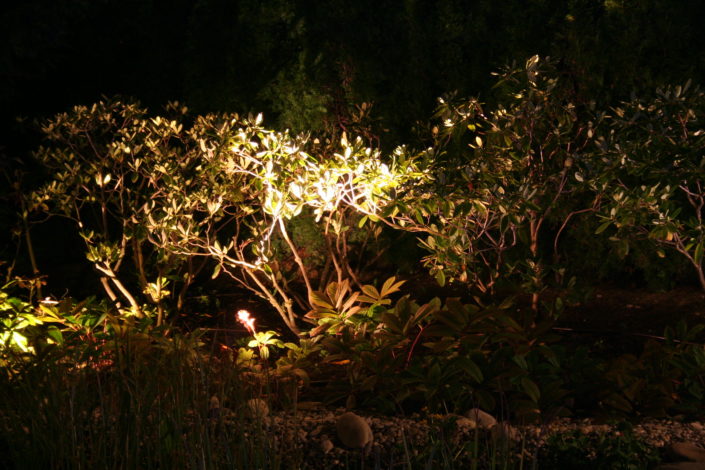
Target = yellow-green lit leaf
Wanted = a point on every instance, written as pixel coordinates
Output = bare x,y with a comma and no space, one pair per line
390,286
698,255
440,278
370,291
216,271
318,299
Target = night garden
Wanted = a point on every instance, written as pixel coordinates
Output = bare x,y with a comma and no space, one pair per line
292,234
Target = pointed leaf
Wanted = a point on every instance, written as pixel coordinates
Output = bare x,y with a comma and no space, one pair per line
531,389
603,227
391,287
440,278
698,255
351,300
318,299
371,291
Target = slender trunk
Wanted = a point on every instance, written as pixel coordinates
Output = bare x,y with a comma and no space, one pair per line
32,258
121,287
126,293
297,258
285,310
139,262
109,290
534,225
160,304
188,279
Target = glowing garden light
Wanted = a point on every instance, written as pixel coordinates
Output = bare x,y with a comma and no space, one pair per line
243,316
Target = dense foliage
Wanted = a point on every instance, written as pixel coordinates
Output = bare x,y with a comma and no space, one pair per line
517,189
164,202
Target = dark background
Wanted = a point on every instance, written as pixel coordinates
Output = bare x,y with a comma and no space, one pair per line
401,55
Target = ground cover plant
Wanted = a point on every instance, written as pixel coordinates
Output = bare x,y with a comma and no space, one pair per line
168,203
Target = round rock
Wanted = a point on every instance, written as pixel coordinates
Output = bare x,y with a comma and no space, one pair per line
682,466
688,451
353,431
484,420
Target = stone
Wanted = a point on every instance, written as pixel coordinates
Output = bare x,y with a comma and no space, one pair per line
682,466
326,445
688,451
484,420
465,423
256,408
353,431
214,403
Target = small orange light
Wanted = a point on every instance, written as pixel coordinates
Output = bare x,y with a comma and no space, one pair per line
243,316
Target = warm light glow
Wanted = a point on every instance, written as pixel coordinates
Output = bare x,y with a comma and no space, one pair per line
243,316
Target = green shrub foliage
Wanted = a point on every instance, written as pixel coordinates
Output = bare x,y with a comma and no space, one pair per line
164,194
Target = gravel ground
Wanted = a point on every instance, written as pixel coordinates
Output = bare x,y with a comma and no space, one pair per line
311,436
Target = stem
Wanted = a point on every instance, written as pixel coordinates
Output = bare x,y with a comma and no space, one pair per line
139,262
123,290
413,345
30,251
109,290
284,310
679,245
160,304
534,226
297,258
191,273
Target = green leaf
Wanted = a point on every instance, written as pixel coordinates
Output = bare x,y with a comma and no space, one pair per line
318,299
603,227
216,271
521,362
425,310
531,389
698,255
370,291
390,286
440,278
470,368
55,334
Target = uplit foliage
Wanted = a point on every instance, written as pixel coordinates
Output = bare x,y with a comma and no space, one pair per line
254,185
487,352
652,174
508,180
111,165
170,196
16,319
